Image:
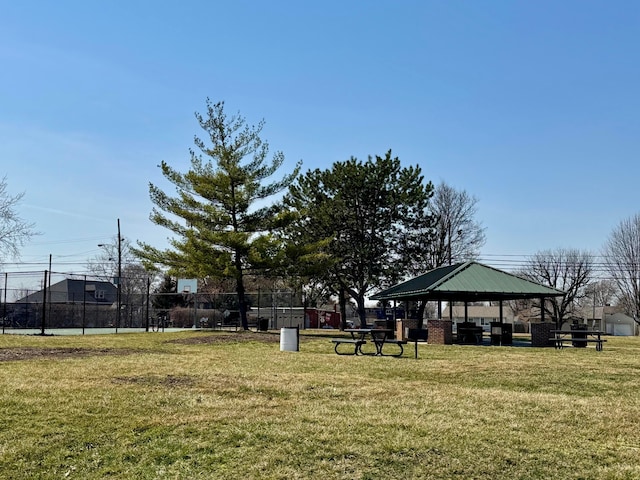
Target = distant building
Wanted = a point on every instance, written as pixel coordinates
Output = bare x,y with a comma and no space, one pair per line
93,292
66,304
620,324
611,321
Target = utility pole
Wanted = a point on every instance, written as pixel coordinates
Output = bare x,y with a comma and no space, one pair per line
118,293
44,304
118,279
4,305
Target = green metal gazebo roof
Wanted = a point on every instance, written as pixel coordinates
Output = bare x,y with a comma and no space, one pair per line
469,281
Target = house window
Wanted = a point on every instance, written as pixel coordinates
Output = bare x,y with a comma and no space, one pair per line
100,294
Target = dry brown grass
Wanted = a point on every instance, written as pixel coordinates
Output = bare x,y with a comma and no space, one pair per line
212,405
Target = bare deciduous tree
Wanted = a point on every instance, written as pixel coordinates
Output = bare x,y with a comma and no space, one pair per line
134,276
104,265
569,270
459,236
455,236
602,293
14,231
622,260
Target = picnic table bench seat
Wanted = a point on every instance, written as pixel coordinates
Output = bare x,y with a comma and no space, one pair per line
356,342
559,342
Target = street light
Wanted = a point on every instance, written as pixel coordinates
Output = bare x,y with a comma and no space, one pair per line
119,277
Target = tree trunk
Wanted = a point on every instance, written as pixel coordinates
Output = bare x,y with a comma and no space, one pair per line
242,304
362,313
342,300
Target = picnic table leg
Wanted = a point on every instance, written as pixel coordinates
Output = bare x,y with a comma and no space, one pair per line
558,343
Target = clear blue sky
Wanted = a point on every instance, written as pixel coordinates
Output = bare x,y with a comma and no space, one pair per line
531,106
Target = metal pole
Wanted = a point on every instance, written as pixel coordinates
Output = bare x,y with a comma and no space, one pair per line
4,305
119,277
44,303
195,310
49,297
146,329
84,303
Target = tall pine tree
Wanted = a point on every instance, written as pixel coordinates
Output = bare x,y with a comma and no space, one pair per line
370,216
222,222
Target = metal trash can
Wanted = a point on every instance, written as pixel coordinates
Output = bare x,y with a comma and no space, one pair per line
263,324
507,334
289,339
578,335
496,333
501,333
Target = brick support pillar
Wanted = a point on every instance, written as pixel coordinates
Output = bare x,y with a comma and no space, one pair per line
440,332
541,333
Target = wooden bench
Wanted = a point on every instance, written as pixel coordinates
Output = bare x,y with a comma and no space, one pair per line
559,342
357,343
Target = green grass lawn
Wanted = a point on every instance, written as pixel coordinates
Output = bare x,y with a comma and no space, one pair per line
215,405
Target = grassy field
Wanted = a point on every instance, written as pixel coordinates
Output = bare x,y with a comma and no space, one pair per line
215,405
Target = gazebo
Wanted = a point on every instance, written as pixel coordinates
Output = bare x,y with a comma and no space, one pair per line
468,282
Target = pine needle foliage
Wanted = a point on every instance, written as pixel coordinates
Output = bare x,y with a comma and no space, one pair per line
371,215
221,217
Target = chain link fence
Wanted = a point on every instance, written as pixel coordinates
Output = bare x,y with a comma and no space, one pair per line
66,301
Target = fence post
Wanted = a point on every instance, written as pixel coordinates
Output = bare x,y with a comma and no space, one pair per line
44,303
4,304
146,329
84,302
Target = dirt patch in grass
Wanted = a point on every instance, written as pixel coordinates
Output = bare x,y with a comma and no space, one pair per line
167,381
29,353
235,337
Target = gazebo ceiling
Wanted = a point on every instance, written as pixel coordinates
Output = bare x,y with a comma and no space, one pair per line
469,282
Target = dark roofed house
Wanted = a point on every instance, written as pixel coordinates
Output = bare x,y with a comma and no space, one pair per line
69,303
75,291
